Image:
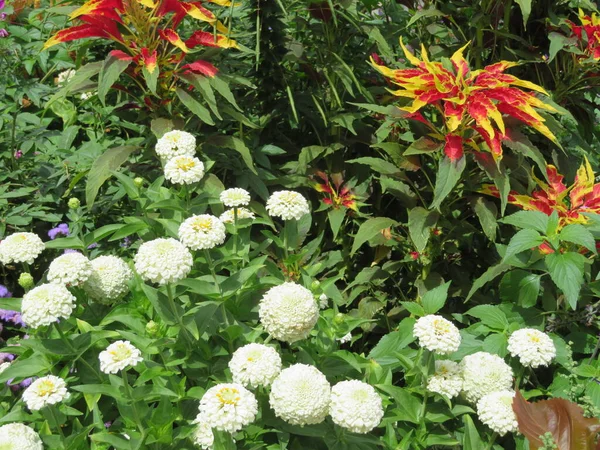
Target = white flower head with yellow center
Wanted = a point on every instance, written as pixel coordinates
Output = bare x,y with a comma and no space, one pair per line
184,170
70,269
18,436
20,247
287,205
355,406
533,347
44,391
45,304
495,410
163,261
235,197
109,280
176,143
202,232
482,373
203,435
437,334
447,379
228,407
118,356
255,365
242,213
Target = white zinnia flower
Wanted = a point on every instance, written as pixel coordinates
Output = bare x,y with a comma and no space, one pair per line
495,410
323,301
203,435
87,95
176,143
255,365
47,303
288,312
44,391
184,170
64,77
235,197
345,338
355,406
4,366
447,379
437,334
483,373
20,247
300,395
228,407
202,232
17,436
118,356
163,261
533,347
70,269
287,205
242,213
109,280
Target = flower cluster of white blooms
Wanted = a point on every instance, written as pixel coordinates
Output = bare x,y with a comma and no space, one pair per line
355,406
288,312
184,169
447,379
118,356
176,143
46,304
203,435
533,347
87,95
18,436
301,395
70,269
287,205
255,365
163,261
345,338
202,232
437,334
228,407
21,247
323,301
4,366
44,391
483,373
495,410
109,280
64,77
235,197
242,213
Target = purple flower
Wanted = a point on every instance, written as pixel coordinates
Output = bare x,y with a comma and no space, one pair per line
3,33
2,4
126,242
71,250
62,230
6,357
107,424
2,16
4,292
92,246
18,153
11,316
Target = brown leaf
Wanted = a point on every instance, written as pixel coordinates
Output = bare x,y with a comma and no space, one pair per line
563,418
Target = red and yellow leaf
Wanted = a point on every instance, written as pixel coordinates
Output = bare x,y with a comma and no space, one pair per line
172,36
201,67
207,39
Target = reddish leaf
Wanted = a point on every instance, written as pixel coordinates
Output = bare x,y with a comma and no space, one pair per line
562,418
454,147
201,67
172,36
74,33
119,54
209,40
92,6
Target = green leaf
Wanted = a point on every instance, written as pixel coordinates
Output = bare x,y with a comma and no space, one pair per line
370,229
431,12
557,43
420,223
496,344
377,164
448,174
580,235
522,286
423,145
23,368
471,439
151,79
64,109
237,145
111,70
486,213
490,315
336,217
530,220
394,341
102,167
566,270
521,241
66,242
497,173
525,6
491,273
408,405
161,126
194,106
435,299
222,88
414,308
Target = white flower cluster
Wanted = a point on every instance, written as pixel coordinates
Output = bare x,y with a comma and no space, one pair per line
495,410
175,143
242,213
355,406
287,205
235,197
163,261
203,435
184,169
46,304
288,312
533,347
447,379
255,365
20,247
64,77
483,373
301,395
17,436
109,280
437,334
44,391
202,232
228,407
70,269
118,356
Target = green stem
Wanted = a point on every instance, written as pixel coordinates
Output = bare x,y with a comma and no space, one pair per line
177,316
268,339
285,240
235,236
428,355
136,415
492,440
479,37
211,267
52,410
69,344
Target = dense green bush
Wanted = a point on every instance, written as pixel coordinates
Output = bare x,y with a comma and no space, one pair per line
411,261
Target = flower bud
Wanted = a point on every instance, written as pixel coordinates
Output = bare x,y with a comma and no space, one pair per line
138,181
339,318
152,328
26,281
74,203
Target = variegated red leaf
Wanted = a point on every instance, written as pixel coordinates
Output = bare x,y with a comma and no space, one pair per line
201,67
454,147
74,33
172,36
92,6
209,40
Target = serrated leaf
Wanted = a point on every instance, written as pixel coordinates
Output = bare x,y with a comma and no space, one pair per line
580,235
566,270
435,299
487,276
521,241
530,220
490,315
370,229
522,286
420,223
448,174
